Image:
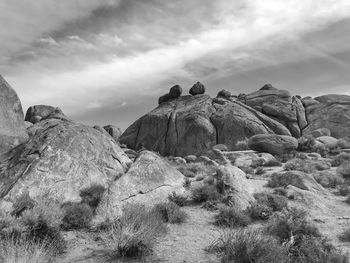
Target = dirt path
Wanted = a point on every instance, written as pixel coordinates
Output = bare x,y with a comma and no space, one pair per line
185,243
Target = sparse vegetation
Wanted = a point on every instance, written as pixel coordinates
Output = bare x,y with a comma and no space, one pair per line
247,246
205,192
345,236
285,179
340,158
272,163
22,203
258,211
343,190
344,170
242,145
306,165
178,199
231,217
170,213
306,143
276,202
92,195
134,234
328,179
76,216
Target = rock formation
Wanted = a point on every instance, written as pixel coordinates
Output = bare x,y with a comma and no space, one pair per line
12,128
114,131
197,89
43,112
273,143
193,124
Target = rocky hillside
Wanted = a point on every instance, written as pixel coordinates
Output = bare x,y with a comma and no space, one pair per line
192,124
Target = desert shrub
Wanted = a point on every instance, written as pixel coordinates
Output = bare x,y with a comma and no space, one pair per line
211,205
204,193
276,202
76,216
306,165
285,179
24,251
170,213
259,211
343,190
311,249
322,149
259,170
306,143
178,199
272,163
280,191
92,195
247,169
187,183
344,170
344,143
290,222
134,234
247,246
345,236
186,172
340,158
231,217
327,179
242,145
22,203
195,169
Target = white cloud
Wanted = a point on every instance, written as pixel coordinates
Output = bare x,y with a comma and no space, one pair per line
243,37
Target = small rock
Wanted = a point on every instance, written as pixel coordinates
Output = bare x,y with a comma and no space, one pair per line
197,89
175,92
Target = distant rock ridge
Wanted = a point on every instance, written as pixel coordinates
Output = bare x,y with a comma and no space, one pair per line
193,124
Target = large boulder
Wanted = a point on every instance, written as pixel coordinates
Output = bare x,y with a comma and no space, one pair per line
194,124
273,143
328,141
175,92
332,112
59,160
12,128
149,180
43,112
114,131
279,105
197,89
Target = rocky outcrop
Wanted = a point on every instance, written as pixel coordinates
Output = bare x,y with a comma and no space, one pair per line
173,93
43,112
279,105
197,89
272,143
149,180
330,111
193,124
58,161
320,132
114,131
12,127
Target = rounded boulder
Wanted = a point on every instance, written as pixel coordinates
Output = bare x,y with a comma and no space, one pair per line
273,143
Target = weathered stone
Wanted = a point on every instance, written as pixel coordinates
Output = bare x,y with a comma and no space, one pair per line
59,160
12,128
197,89
224,94
164,98
175,92
43,112
272,143
320,132
114,131
328,141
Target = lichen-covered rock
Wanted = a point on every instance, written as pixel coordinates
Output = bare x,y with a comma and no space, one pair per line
273,143
12,127
192,125
43,112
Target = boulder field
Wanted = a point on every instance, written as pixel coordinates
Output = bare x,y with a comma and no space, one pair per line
192,124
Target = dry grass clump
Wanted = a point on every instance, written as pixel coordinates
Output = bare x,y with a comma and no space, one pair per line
343,190
340,158
178,199
24,251
192,170
306,165
242,145
205,192
265,205
247,246
133,235
76,216
306,143
92,195
328,179
170,213
285,179
229,216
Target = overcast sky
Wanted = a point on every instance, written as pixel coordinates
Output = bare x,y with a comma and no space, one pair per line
108,61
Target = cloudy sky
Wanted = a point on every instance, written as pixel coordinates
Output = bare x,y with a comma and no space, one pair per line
108,61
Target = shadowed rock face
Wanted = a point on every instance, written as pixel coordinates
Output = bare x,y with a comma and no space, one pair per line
329,111
193,124
12,128
60,158
43,112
